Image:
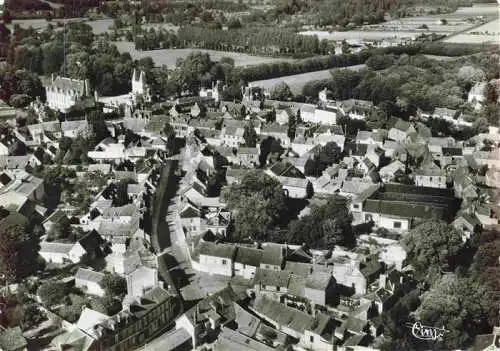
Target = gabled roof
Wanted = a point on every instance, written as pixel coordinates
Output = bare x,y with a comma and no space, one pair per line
444,112
273,255
91,242
402,125
452,151
77,339
247,322
217,250
190,212
289,317
271,277
230,340
248,151
248,256
89,319
89,275
318,280
50,247
355,149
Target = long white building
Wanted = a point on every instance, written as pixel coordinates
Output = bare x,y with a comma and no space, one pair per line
63,93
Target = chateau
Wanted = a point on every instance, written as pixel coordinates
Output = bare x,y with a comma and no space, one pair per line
63,93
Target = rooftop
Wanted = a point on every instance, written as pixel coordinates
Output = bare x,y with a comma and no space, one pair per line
248,256
55,247
318,280
89,275
217,250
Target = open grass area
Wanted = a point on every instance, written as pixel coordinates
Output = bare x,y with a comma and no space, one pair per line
169,56
297,81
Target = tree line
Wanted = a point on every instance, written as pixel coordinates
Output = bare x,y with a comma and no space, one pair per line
262,40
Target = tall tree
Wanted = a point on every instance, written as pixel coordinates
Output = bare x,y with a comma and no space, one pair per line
281,91
18,247
169,133
325,227
432,247
250,135
258,202
461,306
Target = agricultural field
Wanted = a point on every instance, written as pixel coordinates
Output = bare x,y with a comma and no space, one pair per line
41,23
460,21
487,33
297,81
169,57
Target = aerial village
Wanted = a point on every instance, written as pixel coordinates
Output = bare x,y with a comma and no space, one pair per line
160,240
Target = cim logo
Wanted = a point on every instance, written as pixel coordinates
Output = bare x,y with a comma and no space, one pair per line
423,332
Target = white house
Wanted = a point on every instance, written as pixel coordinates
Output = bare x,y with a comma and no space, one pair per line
320,287
477,95
248,156
61,253
140,280
246,261
446,114
216,258
211,93
296,188
307,112
387,173
313,333
89,281
283,116
191,219
280,133
346,271
432,177
232,136
73,129
401,131
326,115
8,143
113,152
357,109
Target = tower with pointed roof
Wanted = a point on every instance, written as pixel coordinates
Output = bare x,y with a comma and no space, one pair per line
140,86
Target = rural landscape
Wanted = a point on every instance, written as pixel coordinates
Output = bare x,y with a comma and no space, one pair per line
251,175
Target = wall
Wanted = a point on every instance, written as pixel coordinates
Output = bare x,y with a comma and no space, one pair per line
54,257
245,271
388,223
90,287
317,297
185,323
397,135
319,343
294,192
214,265
431,181
324,117
76,253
